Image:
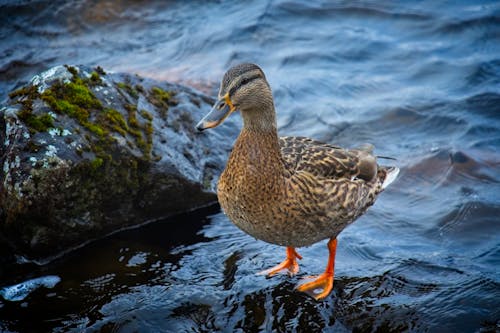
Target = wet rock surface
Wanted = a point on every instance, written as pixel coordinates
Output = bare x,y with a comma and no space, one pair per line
85,153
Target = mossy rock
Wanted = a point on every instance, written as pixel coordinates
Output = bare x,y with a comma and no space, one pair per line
87,152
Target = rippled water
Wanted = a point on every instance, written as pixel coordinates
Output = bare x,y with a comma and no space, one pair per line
420,80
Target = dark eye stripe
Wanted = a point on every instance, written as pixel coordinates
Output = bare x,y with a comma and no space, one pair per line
243,82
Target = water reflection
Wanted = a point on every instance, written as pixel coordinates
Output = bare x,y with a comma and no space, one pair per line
146,280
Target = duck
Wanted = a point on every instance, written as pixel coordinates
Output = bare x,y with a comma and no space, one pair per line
289,191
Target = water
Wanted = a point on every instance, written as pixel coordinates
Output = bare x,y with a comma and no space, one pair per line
420,80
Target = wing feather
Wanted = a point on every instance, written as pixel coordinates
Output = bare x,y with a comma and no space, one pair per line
326,160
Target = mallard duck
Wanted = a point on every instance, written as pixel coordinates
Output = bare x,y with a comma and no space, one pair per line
289,191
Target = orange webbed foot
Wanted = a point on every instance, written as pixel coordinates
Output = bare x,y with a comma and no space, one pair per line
323,282
290,264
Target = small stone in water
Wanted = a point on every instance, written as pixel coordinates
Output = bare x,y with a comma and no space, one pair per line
20,291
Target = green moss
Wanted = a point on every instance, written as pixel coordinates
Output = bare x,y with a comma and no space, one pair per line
79,94
63,106
128,88
40,123
100,71
132,115
130,107
95,78
72,70
28,91
116,118
161,99
142,132
96,163
35,123
161,94
75,99
141,143
148,128
96,129
132,121
145,114
119,130
135,133
116,121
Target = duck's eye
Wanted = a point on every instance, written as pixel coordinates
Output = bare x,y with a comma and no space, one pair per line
221,105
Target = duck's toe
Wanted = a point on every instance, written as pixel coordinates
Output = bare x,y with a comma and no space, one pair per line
319,288
290,264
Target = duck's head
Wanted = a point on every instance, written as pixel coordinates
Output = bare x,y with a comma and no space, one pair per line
244,88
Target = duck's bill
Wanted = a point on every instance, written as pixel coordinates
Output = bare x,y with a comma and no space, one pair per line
219,112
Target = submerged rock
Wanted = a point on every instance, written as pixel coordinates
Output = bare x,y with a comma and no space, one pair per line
85,153
20,291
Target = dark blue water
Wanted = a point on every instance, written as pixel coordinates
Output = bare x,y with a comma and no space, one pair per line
419,79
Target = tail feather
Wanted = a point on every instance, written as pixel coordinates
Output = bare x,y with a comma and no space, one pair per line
391,175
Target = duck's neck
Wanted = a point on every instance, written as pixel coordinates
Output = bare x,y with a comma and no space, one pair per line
258,142
259,125
260,121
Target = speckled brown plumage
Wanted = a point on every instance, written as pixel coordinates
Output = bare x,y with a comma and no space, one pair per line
294,191
290,191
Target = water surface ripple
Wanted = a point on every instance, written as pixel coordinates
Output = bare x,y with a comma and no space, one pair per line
419,79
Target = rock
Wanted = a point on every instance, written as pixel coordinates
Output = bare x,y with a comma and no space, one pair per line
85,153
20,291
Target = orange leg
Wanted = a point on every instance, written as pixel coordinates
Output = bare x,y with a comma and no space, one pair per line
324,282
289,263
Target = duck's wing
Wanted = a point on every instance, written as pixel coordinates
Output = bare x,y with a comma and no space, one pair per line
328,161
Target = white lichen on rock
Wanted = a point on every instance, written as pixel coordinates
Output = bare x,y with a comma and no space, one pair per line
6,167
43,80
54,131
57,131
51,151
17,162
8,133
